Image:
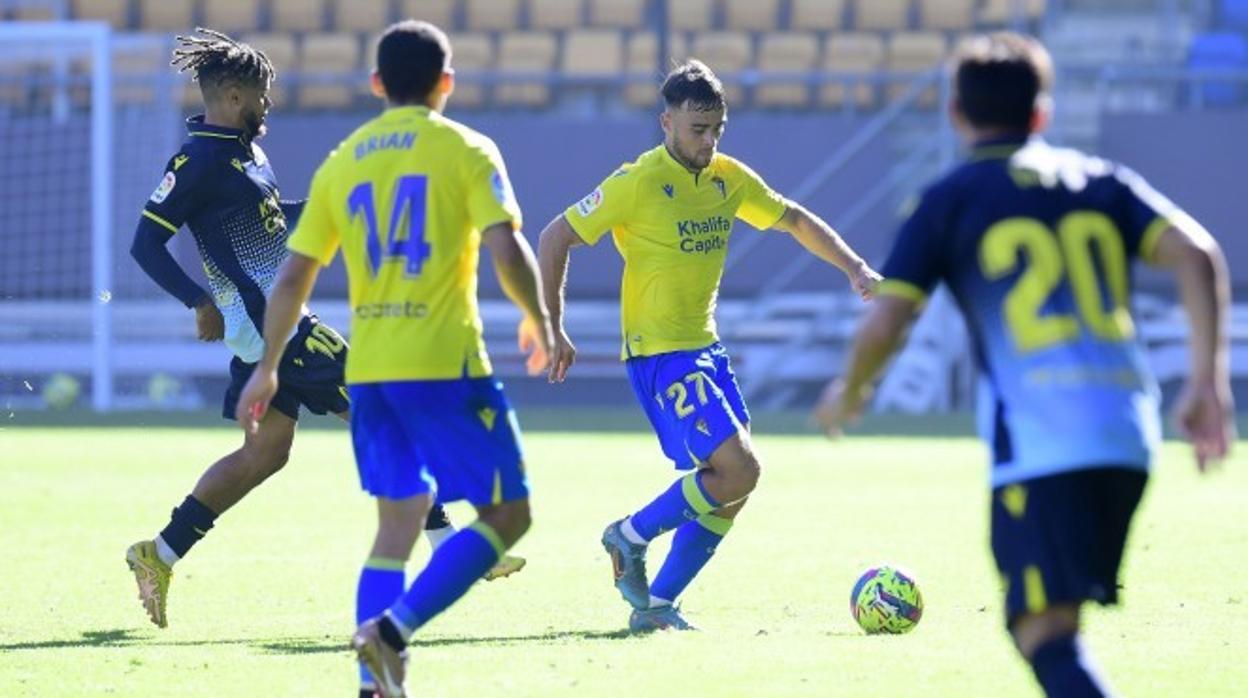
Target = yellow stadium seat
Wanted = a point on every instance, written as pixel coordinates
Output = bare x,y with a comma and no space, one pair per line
297,15
280,50
641,63
525,52
997,12
593,52
438,12
952,15
329,54
115,12
752,15
810,15
785,53
554,14
882,15
231,16
854,54
34,13
623,14
165,15
727,53
133,68
470,53
360,16
689,15
493,15
915,52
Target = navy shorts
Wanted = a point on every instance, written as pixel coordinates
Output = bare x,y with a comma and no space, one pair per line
1059,539
310,374
692,400
454,439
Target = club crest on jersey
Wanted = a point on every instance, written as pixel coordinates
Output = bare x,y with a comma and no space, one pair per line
590,203
669,190
162,190
719,184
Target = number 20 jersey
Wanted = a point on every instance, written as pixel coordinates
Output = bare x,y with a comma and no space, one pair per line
1036,244
406,196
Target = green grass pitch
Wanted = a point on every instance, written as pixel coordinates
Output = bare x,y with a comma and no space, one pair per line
264,605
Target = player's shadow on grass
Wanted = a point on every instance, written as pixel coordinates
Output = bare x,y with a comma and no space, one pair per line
89,638
514,639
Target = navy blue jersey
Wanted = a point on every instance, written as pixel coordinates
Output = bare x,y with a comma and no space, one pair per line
1036,244
222,187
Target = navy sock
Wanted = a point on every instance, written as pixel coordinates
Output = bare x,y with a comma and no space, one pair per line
437,518
1063,670
456,565
692,547
381,582
685,500
189,522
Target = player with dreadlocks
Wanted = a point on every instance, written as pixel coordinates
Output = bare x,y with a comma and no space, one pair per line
221,186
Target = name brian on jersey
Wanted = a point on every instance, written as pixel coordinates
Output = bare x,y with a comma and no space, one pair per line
398,140
705,236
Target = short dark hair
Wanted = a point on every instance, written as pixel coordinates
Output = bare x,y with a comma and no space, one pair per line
999,79
411,58
215,60
693,83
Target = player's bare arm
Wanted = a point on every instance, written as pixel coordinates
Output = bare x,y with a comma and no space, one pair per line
290,292
209,322
813,233
881,334
553,249
516,267
1204,411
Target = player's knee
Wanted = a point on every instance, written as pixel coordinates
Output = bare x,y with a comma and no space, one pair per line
510,520
1033,630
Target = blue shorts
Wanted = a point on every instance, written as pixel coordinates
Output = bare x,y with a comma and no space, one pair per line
692,399
310,374
1059,539
454,439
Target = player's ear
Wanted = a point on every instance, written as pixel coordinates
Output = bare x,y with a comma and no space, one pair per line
665,120
446,84
1041,115
374,84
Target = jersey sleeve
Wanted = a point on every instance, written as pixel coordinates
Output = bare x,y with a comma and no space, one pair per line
1144,214
915,264
317,235
761,206
181,193
491,200
605,207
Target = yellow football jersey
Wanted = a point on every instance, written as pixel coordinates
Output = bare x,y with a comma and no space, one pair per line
407,196
672,228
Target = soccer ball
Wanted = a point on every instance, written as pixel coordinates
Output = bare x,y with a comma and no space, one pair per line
61,391
886,600
162,389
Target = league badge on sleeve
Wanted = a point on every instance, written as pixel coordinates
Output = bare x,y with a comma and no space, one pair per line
166,186
502,189
590,203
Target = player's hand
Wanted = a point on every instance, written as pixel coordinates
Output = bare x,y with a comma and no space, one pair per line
1205,414
562,356
838,407
209,324
535,339
255,398
864,279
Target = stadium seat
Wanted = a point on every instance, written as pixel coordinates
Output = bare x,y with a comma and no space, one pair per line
359,16
1234,14
881,15
470,53
999,12
641,63
785,53
812,15
1213,51
914,53
951,15
297,15
34,13
115,12
727,53
752,15
622,14
525,53
280,49
132,69
554,14
439,12
165,15
852,54
593,52
329,54
231,16
492,15
690,15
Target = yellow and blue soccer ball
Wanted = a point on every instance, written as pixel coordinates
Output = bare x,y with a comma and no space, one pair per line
61,391
886,600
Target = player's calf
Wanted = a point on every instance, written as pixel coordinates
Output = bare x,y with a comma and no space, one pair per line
732,471
1050,642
